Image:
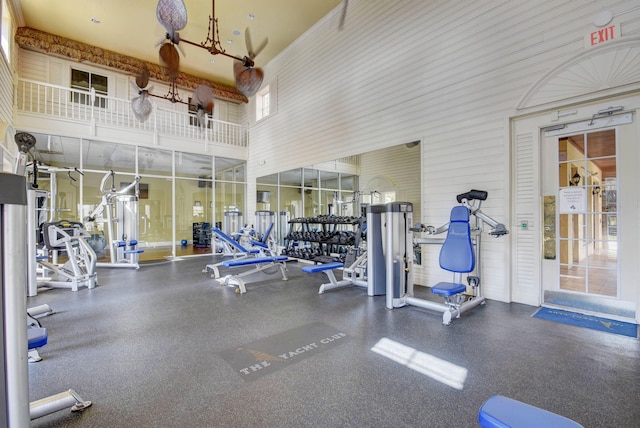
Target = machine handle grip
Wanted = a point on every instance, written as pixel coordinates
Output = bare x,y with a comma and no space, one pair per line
480,195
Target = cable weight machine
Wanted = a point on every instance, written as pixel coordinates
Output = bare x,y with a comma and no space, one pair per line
118,209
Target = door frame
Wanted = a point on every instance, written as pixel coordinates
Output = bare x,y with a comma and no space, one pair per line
527,195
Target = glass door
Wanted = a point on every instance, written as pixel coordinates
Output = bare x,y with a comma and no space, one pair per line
587,241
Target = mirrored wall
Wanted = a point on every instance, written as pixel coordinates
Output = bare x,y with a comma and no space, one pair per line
343,187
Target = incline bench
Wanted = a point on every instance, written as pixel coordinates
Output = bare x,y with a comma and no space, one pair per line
240,252
259,263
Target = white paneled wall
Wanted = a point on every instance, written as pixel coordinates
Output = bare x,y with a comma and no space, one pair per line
449,72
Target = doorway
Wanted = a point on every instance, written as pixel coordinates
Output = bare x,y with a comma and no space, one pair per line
584,215
586,219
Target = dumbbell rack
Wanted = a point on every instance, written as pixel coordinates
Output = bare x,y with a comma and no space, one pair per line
323,238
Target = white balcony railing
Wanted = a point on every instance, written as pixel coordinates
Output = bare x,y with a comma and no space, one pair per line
72,104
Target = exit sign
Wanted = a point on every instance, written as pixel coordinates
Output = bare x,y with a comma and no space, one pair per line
602,35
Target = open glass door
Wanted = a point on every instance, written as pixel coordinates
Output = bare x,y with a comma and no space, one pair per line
587,241
589,235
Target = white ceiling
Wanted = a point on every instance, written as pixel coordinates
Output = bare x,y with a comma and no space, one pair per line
130,27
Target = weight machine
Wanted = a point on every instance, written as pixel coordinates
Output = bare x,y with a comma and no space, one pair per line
16,411
391,236
80,268
121,210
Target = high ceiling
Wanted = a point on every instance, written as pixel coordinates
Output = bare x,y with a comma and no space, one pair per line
130,27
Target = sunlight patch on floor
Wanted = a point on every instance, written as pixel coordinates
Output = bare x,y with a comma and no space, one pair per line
441,370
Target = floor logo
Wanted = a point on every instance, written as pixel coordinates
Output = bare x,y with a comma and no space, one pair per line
265,356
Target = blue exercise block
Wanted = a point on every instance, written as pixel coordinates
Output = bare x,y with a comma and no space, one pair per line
37,337
503,412
322,267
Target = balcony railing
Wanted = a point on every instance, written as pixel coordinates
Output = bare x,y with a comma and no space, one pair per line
82,106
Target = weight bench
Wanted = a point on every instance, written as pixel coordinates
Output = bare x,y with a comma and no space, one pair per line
503,412
260,264
263,244
328,268
239,252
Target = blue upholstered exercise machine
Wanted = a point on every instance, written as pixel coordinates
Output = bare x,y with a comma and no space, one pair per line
503,412
391,235
260,255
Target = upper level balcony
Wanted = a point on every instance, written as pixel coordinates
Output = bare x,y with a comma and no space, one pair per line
60,110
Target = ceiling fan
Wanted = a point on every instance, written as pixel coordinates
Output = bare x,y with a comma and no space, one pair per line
172,15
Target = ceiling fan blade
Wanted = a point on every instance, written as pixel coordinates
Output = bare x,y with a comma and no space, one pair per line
248,79
203,97
141,107
260,48
251,53
172,15
169,58
142,79
247,42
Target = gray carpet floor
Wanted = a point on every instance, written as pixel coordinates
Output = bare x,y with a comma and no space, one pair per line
146,347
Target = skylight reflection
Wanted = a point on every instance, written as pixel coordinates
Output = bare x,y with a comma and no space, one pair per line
436,368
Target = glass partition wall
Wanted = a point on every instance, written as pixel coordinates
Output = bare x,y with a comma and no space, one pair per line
178,192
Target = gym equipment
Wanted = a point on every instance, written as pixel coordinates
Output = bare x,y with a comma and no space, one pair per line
391,239
14,340
80,267
232,222
388,249
324,238
264,223
239,251
260,264
503,412
354,271
121,208
201,235
231,247
37,209
35,338
264,252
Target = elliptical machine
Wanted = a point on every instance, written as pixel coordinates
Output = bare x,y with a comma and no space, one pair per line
121,210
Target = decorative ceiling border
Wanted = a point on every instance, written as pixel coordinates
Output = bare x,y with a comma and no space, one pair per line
30,38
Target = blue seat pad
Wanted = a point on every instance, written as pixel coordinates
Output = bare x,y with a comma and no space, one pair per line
322,267
254,261
503,412
448,288
37,337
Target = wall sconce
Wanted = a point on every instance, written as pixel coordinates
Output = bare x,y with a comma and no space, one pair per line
575,180
596,190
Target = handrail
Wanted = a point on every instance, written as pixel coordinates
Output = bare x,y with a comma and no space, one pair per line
45,99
